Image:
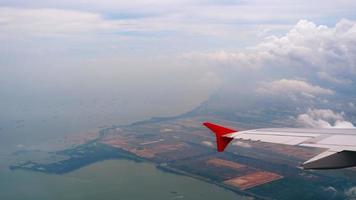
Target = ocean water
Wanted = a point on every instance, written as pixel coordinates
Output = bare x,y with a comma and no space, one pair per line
37,111
24,128
109,180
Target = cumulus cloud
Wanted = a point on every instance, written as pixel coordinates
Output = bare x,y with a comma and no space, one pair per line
314,65
328,50
323,118
293,88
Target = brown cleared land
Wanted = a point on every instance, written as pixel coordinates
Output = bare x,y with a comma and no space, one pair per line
253,179
123,143
118,142
142,148
225,163
159,148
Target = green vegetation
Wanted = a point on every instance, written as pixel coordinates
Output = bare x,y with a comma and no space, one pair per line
300,188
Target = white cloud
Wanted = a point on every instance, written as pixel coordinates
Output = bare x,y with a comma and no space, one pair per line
308,47
209,81
230,11
323,118
311,64
293,88
223,20
49,22
124,30
329,78
207,143
20,146
351,193
17,22
331,190
241,144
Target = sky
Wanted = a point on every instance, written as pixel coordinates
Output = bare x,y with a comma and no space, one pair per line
115,62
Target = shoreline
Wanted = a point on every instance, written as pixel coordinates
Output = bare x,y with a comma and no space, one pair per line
57,168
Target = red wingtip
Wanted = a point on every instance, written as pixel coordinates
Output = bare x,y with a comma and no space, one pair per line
221,140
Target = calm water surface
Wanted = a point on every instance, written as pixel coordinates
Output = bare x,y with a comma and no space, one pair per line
113,179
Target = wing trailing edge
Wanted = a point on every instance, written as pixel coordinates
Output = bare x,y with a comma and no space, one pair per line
331,160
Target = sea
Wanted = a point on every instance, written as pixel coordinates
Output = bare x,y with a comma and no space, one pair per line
25,127
109,180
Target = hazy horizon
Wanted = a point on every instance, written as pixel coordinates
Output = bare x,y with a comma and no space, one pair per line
70,66
69,69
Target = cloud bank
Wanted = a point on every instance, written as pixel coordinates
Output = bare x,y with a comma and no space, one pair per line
309,71
323,118
114,54
320,52
293,88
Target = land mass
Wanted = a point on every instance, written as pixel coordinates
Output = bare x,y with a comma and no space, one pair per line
180,145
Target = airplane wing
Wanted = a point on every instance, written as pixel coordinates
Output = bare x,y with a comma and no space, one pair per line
340,143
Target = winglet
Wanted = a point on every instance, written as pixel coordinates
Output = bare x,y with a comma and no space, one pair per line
220,132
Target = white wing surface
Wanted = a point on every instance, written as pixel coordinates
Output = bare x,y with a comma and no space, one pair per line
340,143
